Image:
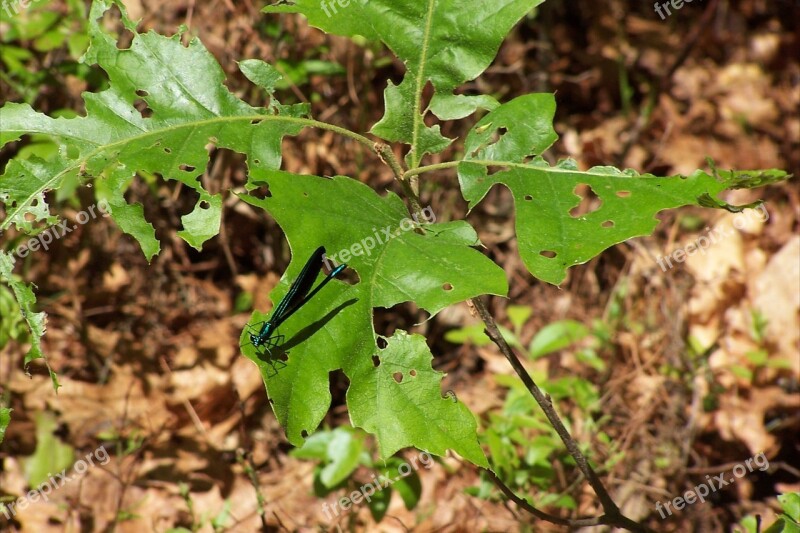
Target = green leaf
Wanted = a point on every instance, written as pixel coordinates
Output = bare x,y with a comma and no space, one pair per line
550,238
5,419
790,503
518,315
379,503
262,74
12,325
397,260
758,357
315,447
410,489
408,486
343,452
557,336
185,110
472,334
456,106
203,222
741,372
298,72
783,524
36,321
442,42
408,407
51,455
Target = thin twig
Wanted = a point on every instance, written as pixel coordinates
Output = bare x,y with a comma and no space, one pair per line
612,515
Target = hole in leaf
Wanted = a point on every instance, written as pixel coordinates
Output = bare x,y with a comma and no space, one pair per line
623,194
186,168
255,121
349,276
257,161
125,39
496,136
167,151
141,107
589,203
304,433
447,287
382,344
204,205
608,224
142,93
494,169
398,377
427,94
528,197
376,361
262,191
413,373
550,254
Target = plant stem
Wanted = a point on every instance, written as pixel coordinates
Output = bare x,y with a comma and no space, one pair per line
410,186
612,515
428,168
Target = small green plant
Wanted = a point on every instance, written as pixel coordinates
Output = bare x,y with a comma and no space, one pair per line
339,453
758,359
218,523
787,522
551,338
42,29
523,446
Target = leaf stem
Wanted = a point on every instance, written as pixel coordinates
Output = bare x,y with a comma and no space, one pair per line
429,168
410,186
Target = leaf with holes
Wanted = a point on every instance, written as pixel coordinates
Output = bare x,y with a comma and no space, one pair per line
556,227
442,42
36,322
166,107
397,259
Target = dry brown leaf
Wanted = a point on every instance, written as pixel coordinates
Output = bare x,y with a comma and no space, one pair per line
776,294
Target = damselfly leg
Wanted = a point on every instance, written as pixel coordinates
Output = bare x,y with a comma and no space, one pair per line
266,349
